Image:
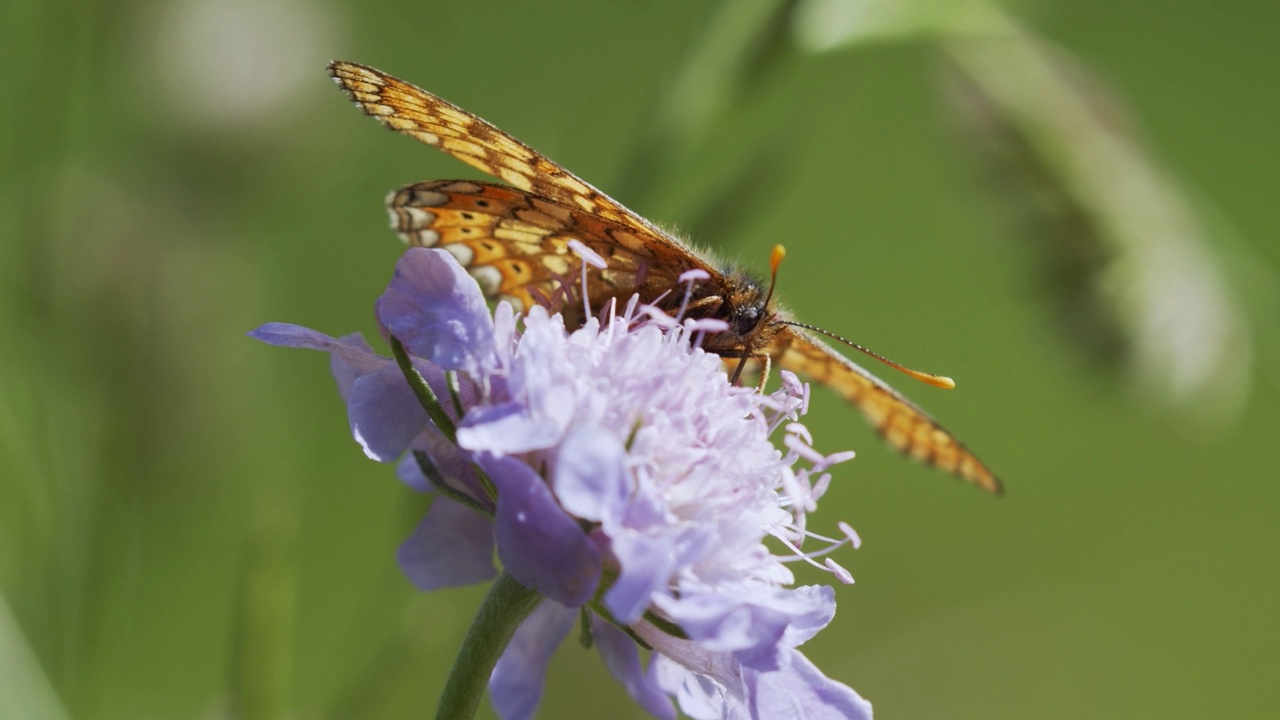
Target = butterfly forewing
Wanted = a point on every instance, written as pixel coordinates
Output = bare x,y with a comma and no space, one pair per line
515,242
417,113
904,426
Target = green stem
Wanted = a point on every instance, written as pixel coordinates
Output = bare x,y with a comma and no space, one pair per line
438,482
505,607
426,396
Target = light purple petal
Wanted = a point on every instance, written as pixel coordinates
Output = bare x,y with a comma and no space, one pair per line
451,547
704,683
352,356
800,690
451,464
723,622
591,479
411,474
648,562
515,687
817,605
622,657
384,413
696,695
437,312
592,483
797,689
352,360
752,623
504,430
539,544
646,567
295,336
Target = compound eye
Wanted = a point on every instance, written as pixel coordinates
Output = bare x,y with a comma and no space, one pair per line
746,319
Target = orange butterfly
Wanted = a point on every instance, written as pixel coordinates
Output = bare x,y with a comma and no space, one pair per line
514,241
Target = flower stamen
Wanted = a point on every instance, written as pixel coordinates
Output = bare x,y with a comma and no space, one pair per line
589,257
690,278
832,545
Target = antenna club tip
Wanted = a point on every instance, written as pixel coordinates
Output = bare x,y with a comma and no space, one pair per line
938,381
776,257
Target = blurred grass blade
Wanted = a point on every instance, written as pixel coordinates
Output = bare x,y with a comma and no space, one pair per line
1137,282
729,210
821,25
25,690
262,659
739,42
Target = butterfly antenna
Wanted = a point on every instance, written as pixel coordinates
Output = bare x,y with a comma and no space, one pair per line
775,259
938,381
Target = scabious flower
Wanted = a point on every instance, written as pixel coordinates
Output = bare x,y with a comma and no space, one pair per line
613,468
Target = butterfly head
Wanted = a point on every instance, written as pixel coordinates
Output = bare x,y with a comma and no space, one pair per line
750,316
745,306
741,302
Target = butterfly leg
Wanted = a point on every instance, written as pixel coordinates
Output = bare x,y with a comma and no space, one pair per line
742,362
704,306
766,363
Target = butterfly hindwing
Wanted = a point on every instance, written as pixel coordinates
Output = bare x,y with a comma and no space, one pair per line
516,244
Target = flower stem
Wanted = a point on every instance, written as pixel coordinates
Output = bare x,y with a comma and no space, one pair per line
425,394
437,481
505,607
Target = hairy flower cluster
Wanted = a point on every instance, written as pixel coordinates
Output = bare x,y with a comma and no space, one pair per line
612,467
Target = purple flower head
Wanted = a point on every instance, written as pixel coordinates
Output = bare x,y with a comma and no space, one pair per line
614,467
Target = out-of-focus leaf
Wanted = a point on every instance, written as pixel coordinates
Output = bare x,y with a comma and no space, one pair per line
261,661
738,202
235,65
25,690
1137,283
740,42
820,25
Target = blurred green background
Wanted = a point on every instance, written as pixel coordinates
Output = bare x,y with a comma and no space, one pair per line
188,531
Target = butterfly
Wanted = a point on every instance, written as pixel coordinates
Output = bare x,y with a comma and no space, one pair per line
514,240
